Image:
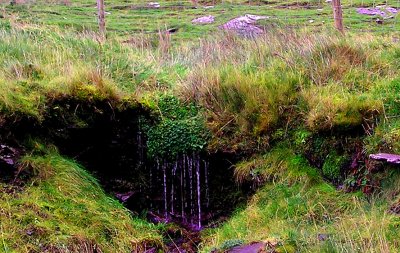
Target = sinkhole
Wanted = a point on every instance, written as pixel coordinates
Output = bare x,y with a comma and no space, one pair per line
192,189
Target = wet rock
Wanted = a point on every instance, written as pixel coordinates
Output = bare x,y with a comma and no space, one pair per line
204,20
155,218
389,158
254,247
123,197
153,5
8,155
8,162
245,25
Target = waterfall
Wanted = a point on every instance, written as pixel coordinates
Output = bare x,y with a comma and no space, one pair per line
190,163
164,180
182,192
206,184
172,185
186,181
198,190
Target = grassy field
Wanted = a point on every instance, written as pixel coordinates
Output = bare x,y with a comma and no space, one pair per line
299,103
134,18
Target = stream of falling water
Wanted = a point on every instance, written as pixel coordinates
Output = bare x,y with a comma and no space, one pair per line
185,193
179,188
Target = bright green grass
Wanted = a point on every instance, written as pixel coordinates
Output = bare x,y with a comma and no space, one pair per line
249,90
294,207
63,209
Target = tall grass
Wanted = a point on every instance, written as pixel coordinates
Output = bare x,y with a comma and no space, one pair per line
247,87
250,88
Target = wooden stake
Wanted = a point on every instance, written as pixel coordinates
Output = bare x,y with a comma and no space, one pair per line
101,17
337,15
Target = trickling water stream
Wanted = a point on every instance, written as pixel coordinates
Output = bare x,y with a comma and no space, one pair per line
184,188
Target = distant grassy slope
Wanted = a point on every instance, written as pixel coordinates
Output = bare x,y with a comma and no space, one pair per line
127,19
62,208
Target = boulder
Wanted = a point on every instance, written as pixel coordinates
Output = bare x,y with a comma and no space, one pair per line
245,25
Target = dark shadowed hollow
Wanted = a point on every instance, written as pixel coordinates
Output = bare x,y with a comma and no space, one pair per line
194,190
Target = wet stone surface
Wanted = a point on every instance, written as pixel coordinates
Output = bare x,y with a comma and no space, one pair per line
8,162
389,158
250,248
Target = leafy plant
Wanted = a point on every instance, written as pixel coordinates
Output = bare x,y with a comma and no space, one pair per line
181,129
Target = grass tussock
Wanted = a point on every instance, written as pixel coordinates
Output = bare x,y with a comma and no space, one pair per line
331,107
63,209
250,88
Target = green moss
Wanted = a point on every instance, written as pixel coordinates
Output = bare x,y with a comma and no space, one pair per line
231,243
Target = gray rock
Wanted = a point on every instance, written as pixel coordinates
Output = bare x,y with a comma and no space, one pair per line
204,20
154,5
249,248
390,158
245,25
